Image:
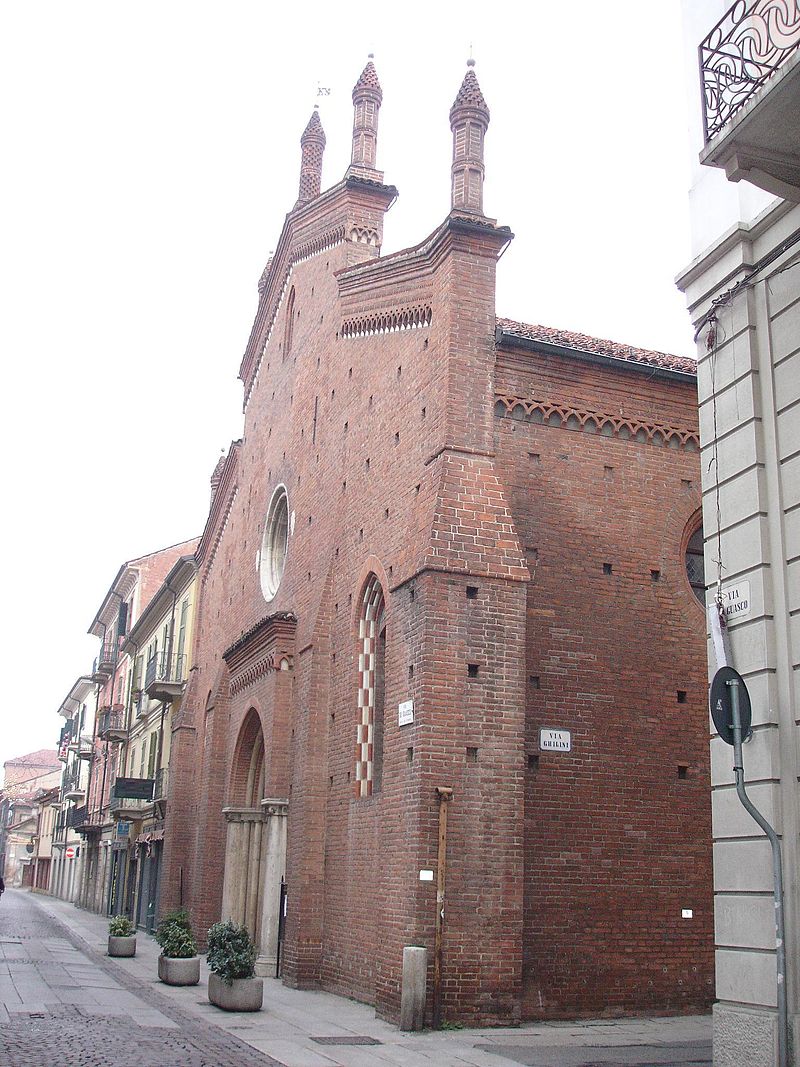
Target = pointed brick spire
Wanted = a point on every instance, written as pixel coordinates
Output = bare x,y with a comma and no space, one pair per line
469,120
367,97
312,144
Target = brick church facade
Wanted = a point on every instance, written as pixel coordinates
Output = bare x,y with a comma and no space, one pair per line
441,534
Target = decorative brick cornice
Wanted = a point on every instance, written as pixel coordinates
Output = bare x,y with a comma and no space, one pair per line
406,318
564,417
263,649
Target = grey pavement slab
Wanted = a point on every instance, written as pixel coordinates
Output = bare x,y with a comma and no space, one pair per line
127,995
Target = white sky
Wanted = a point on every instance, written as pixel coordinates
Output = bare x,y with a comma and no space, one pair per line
150,152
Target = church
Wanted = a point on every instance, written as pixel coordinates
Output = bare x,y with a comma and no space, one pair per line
449,682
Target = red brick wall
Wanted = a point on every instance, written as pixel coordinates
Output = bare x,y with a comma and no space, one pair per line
384,442
616,842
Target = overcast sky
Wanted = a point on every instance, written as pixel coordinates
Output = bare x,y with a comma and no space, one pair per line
150,153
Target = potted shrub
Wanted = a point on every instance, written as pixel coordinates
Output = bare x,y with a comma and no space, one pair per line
232,984
121,936
178,963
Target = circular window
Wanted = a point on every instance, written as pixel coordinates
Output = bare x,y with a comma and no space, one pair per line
275,543
695,565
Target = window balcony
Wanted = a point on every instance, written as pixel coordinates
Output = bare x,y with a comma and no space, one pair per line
750,74
111,723
73,790
164,679
83,822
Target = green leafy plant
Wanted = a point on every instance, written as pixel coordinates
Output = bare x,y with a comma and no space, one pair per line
121,926
231,952
174,935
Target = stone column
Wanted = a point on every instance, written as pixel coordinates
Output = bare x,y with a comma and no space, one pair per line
273,867
236,881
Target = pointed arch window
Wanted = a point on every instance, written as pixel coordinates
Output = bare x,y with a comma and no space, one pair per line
288,328
371,689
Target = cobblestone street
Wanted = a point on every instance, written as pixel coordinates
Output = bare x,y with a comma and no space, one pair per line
60,1003
64,1003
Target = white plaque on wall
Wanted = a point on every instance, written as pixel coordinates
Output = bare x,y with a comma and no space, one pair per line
405,713
555,740
736,603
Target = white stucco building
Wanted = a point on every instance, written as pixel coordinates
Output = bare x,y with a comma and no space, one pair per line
743,293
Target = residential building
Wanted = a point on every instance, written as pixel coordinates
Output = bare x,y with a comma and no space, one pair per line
449,680
129,594
158,647
76,752
24,778
743,292
46,810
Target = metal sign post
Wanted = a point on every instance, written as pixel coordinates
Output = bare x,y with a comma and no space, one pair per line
730,710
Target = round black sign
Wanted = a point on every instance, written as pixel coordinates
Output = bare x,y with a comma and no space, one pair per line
721,708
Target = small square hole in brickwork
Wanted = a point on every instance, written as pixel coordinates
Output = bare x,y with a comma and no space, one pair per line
416,490
534,681
361,535
346,427
330,782
655,575
386,513
366,463
472,754
608,473
336,553
533,762
607,568
686,483
370,401
681,696
535,458
683,770
336,608
399,372
423,413
333,393
472,670
397,438
344,487
472,592
333,657
410,671
410,754
350,373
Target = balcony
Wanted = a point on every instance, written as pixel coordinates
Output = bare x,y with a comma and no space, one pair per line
106,661
82,822
73,790
111,723
164,678
750,74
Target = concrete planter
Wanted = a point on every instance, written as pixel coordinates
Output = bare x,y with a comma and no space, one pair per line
122,946
245,994
174,971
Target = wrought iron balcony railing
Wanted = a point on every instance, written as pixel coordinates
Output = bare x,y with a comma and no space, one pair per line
72,785
746,48
165,676
111,723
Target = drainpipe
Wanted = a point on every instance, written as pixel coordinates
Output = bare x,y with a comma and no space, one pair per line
445,795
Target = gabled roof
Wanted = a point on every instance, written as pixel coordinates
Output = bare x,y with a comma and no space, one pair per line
42,757
596,346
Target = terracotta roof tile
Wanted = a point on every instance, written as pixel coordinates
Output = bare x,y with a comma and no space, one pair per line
43,757
582,342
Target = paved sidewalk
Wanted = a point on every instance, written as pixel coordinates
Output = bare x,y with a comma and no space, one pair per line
316,1029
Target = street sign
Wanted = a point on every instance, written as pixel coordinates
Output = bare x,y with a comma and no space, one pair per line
555,740
720,704
69,853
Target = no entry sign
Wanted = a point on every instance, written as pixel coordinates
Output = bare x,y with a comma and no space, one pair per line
70,853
